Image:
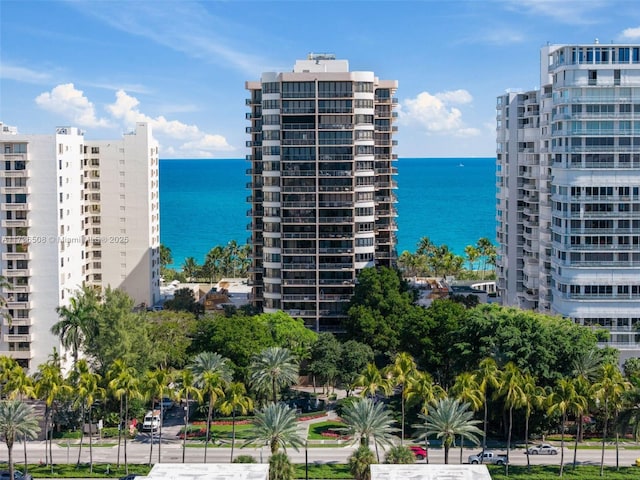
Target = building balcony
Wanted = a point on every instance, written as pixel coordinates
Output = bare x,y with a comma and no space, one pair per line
16,256
17,338
12,289
15,190
13,305
16,223
335,266
25,173
15,272
15,206
18,354
21,322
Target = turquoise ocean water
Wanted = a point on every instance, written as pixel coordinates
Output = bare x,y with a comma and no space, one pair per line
450,200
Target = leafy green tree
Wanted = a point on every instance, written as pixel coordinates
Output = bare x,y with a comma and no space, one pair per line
326,355
360,463
629,418
121,335
236,338
631,369
522,337
381,307
273,369
354,359
184,301
367,421
400,372
213,374
412,264
171,335
288,332
275,425
447,419
235,400
213,263
472,254
400,454
17,420
487,252
78,320
422,390
280,467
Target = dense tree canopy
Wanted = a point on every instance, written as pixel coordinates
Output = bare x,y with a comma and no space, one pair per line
544,345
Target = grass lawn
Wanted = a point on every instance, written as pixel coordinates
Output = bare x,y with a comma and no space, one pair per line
551,472
317,429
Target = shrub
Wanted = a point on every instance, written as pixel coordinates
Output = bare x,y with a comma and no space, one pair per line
244,459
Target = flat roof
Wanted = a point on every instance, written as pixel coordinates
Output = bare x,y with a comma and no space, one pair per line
209,471
422,471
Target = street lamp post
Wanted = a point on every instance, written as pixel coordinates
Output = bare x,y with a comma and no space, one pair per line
306,460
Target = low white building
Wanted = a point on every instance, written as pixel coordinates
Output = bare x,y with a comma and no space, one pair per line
209,471
429,472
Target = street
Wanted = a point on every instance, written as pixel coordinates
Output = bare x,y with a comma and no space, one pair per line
138,452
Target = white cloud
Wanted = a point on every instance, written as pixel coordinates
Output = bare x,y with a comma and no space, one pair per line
195,142
69,102
436,113
631,33
22,74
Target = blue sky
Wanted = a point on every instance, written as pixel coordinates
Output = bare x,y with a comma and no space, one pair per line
103,65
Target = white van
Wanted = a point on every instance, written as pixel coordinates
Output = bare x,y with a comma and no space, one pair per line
151,421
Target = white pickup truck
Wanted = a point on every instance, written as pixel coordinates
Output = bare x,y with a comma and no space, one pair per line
488,457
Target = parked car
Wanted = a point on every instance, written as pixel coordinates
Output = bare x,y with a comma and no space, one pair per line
166,403
488,457
131,476
17,475
542,449
419,452
152,421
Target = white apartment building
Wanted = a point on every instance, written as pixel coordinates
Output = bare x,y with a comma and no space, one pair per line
74,212
322,180
568,200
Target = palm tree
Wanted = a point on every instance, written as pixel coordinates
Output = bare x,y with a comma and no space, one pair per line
366,420
17,420
510,388
609,391
87,390
49,387
472,254
190,267
272,369
17,384
212,373
124,385
580,408
235,399
280,467
630,414
77,321
487,252
448,418
154,384
535,398
563,400
586,369
187,390
275,425
467,389
212,262
488,375
372,381
360,462
400,454
400,373
422,389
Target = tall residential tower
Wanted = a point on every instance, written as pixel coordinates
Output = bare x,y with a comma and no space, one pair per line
322,180
74,212
568,178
